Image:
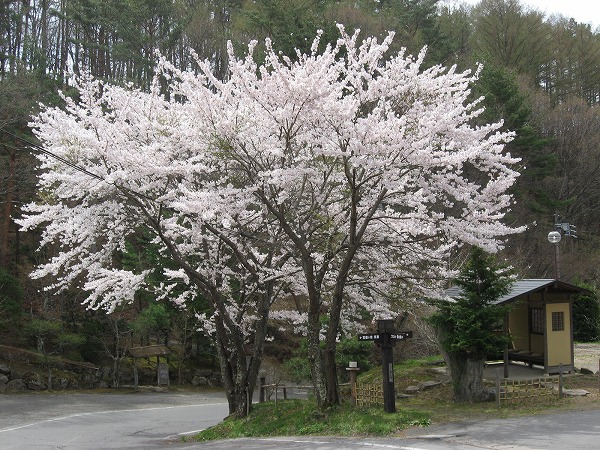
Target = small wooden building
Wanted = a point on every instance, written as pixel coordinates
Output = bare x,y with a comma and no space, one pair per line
540,323
148,351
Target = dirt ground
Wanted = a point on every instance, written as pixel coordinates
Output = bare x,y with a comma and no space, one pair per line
587,356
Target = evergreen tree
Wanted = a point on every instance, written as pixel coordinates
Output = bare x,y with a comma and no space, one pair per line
586,316
290,24
11,299
468,325
504,99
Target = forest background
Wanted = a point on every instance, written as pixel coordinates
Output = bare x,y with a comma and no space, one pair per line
541,75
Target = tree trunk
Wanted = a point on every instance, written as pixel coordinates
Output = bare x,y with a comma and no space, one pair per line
332,396
239,369
42,65
355,237
235,378
116,371
332,390
467,377
315,358
7,208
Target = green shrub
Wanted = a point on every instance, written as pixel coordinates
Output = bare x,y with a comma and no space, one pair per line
297,366
347,350
41,327
354,350
586,316
11,300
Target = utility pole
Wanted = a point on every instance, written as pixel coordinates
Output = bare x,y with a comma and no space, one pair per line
554,237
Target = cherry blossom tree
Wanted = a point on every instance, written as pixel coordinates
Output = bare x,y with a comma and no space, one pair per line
346,176
120,167
372,167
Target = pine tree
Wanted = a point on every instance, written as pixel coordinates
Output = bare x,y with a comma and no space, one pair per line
468,326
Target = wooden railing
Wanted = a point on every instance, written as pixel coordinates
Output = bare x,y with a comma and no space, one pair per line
280,391
276,392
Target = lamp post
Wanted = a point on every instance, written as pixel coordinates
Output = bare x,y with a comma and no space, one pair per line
554,237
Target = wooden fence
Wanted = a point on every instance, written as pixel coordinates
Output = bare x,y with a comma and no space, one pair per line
369,394
507,390
276,391
365,394
514,390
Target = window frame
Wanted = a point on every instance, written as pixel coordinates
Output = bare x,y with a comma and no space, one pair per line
558,321
537,322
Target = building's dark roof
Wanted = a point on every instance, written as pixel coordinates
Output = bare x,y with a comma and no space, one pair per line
526,286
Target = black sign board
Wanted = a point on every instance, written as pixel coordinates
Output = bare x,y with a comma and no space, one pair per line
385,338
401,335
369,337
397,336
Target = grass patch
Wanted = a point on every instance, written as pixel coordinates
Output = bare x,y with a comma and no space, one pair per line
433,406
302,417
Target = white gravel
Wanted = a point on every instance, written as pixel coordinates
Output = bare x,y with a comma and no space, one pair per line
587,356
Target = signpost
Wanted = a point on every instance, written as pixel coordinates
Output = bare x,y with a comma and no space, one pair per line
394,337
385,338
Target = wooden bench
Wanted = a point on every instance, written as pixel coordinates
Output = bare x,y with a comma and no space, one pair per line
525,356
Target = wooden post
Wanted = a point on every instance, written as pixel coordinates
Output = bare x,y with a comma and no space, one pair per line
387,354
385,339
560,380
135,373
505,353
389,396
498,387
353,371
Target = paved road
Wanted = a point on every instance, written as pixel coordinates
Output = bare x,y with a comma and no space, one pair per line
105,421
156,420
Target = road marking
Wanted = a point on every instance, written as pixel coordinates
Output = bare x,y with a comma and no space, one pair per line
189,432
398,447
295,441
488,445
71,416
365,444
185,433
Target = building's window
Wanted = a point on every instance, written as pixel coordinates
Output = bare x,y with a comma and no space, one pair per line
558,321
537,320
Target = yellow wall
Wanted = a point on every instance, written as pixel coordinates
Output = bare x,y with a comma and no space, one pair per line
559,342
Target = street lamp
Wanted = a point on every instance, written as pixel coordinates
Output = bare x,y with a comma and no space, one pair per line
554,237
